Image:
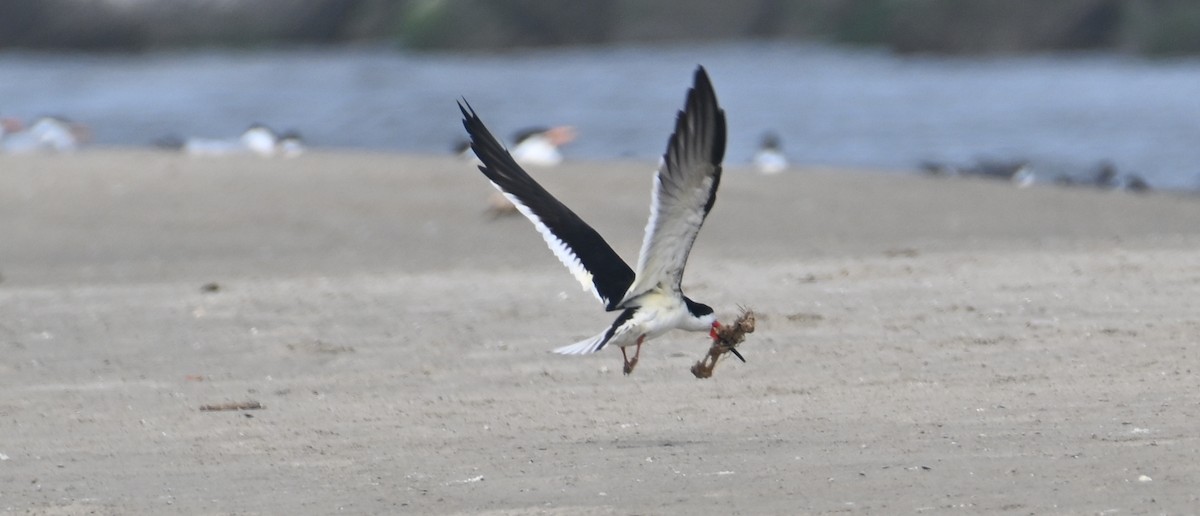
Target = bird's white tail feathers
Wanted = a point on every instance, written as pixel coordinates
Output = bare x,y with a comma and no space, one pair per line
584,347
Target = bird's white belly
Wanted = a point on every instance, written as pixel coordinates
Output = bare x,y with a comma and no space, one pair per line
657,315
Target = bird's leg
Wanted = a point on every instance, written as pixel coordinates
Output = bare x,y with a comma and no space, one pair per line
630,364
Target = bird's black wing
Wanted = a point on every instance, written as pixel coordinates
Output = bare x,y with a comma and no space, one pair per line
585,253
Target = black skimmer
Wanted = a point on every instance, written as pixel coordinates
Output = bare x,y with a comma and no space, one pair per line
936,168
1105,176
651,301
1064,180
1019,173
462,149
539,147
769,158
1135,183
10,125
290,144
260,140
46,134
257,139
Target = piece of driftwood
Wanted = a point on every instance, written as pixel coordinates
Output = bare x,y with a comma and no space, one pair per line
725,340
233,405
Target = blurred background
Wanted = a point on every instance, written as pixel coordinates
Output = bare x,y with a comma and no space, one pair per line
1079,91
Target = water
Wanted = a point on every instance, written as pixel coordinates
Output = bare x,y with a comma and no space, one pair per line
831,106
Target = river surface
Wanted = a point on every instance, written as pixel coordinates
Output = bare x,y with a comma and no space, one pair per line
830,106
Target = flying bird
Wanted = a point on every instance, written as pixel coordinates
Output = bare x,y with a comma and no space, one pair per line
650,301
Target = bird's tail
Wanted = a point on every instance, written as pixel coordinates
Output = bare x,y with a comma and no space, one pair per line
585,346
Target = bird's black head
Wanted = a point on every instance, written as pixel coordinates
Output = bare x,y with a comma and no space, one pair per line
708,321
525,134
703,316
770,141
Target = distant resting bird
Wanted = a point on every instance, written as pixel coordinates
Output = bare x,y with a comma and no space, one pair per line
651,301
258,139
1135,183
290,144
539,146
1020,173
536,146
769,159
46,134
10,125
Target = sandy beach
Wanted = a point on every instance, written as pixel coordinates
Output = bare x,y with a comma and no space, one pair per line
923,346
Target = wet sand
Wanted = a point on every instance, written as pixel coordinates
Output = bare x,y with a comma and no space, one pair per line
923,345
